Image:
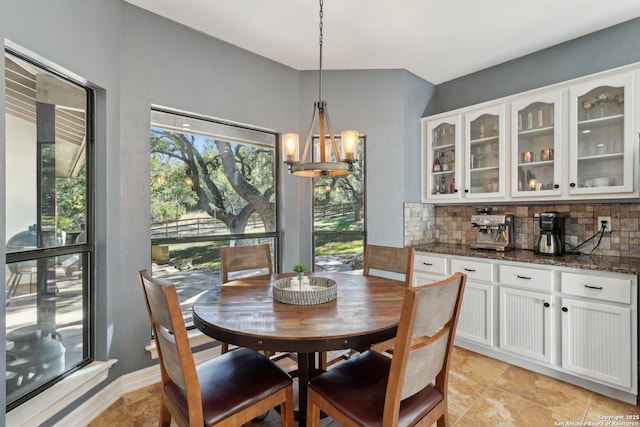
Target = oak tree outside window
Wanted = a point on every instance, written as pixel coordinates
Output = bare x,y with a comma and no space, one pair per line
213,184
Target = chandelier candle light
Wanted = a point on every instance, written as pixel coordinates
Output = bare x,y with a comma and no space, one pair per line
343,164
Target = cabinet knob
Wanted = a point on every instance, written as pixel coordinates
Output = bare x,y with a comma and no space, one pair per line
466,191
572,185
565,309
546,304
556,186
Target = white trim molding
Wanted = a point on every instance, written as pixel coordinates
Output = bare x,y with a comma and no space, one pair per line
98,403
48,403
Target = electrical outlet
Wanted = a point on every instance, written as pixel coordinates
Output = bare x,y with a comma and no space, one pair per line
607,221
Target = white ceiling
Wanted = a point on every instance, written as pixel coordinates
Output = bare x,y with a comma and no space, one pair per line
437,40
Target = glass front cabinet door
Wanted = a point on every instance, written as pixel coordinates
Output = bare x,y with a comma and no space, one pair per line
601,136
441,160
484,153
537,151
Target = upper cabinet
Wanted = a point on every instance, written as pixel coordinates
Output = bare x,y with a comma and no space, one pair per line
441,156
601,136
485,152
575,140
536,135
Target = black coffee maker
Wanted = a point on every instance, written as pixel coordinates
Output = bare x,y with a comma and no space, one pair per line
551,239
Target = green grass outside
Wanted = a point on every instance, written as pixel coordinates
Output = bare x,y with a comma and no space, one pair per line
206,255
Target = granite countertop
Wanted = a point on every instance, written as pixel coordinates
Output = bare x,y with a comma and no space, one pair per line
614,264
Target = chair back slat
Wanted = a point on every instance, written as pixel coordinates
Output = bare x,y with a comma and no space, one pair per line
389,259
170,356
424,363
424,340
255,260
435,309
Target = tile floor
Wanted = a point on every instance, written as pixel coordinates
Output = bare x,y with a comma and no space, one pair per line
483,392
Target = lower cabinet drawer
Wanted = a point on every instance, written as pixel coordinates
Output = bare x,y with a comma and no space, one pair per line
475,270
530,278
430,264
597,287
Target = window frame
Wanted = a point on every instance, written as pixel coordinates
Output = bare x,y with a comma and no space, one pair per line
275,235
362,232
87,249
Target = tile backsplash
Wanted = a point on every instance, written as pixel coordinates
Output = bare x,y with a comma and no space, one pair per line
427,223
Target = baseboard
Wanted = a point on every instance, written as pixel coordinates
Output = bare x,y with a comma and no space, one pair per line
39,409
98,403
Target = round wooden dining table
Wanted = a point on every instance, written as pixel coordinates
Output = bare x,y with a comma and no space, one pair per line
243,312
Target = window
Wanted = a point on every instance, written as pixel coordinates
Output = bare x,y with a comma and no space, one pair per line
213,184
339,228
48,220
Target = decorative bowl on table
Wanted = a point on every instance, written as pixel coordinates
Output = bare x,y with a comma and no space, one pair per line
319,291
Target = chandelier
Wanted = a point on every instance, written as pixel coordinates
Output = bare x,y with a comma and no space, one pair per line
341,163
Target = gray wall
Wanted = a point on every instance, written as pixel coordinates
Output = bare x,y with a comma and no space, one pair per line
134,60
599,51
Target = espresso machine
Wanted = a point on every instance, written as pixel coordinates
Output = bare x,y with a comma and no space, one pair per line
551,238
493,231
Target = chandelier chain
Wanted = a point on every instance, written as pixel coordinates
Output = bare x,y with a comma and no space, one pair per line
321,14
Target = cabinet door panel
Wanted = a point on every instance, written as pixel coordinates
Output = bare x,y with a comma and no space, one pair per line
476,315
441,158
485,153
596,341
525,323
601,136
536,133
420,278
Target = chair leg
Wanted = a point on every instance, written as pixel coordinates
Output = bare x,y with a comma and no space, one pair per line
165,415
443,421
313,412
286,413
224,347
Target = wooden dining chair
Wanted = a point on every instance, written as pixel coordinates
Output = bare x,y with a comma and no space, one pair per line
379,260
410,388
247,261
229,390
398,261
386,261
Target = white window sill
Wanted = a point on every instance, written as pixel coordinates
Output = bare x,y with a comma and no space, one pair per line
196,338
48,403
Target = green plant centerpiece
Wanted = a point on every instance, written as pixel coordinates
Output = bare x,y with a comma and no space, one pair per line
299,268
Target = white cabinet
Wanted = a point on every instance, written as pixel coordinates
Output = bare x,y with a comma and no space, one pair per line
476,314
596,341
484,145
601,140
525,322
441,158
536,136
428,269
577,325
597,337
573,140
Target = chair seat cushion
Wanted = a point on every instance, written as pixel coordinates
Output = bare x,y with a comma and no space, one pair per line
357,388
232,382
